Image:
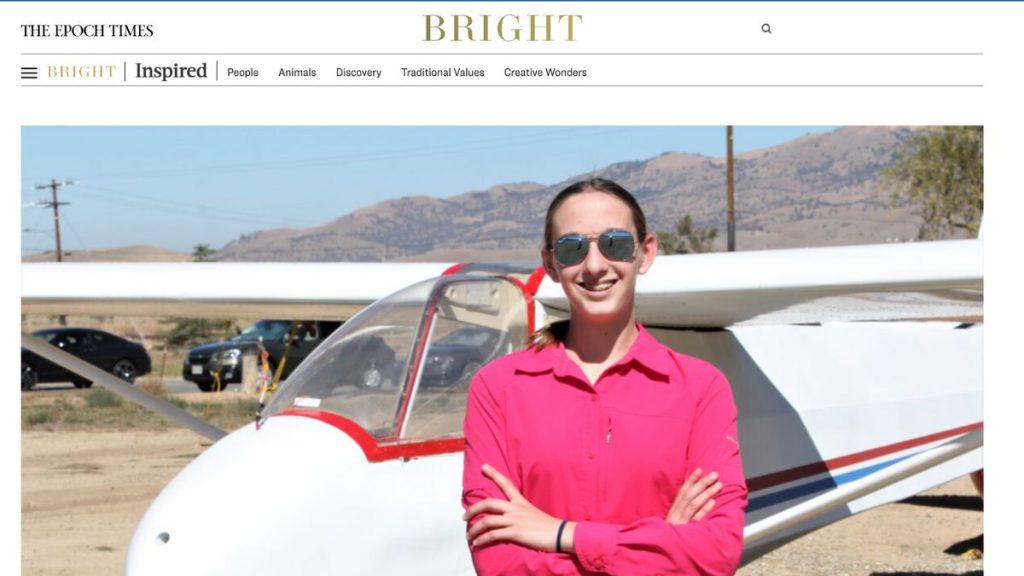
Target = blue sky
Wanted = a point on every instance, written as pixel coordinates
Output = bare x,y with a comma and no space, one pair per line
176,187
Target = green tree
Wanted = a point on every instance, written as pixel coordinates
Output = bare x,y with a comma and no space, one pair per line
687,239
940,173
192,331
185,332
202,253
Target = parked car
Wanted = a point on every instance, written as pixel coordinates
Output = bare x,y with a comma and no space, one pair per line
458,356
366,361
370,361
225,357
123,358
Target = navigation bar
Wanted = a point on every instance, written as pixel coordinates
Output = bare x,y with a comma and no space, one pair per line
653,69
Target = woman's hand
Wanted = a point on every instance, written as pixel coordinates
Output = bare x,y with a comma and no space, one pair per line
694,499
515,520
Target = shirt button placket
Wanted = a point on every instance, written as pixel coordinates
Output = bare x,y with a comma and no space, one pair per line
595,410
593,447
589,492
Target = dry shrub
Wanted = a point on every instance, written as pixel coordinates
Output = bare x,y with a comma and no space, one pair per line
102,398
38,417
152,386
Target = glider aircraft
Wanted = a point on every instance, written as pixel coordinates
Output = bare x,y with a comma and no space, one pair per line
857,373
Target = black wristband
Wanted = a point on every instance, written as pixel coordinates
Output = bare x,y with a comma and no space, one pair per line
558,537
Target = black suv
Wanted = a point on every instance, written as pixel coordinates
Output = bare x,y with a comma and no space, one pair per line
203,361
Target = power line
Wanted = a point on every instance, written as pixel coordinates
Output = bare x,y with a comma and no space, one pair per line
367,156
74,232
163,205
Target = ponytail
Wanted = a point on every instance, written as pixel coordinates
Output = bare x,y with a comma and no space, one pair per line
552,334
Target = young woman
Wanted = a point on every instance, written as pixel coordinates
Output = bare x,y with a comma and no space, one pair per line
587,452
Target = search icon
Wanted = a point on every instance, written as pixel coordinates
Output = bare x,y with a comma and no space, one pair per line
766,28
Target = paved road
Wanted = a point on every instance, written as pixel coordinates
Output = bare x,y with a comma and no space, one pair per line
179,386
174,386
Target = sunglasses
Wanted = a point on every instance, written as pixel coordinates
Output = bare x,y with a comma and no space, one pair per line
615,245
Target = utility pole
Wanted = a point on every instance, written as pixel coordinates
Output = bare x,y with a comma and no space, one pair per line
730,189
53,186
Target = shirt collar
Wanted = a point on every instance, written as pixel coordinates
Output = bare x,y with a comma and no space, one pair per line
645,351
649,353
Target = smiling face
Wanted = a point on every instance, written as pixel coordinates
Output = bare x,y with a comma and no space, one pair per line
599,290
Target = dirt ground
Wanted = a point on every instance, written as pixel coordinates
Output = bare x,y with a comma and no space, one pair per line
83,493
937,533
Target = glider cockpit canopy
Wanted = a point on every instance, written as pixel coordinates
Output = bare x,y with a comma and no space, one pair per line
399,370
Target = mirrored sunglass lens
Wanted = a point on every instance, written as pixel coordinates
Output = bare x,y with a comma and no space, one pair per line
617,245
571,249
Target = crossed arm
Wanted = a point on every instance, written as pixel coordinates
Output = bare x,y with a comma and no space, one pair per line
518,521
702,532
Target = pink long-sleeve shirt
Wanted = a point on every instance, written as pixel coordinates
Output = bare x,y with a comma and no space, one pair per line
611,457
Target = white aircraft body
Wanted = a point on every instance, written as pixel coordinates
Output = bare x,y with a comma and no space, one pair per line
857,372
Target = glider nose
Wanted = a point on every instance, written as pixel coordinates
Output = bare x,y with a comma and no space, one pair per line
299,497
241,498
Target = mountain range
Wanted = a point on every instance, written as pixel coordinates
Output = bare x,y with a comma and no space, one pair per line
817,190
821,189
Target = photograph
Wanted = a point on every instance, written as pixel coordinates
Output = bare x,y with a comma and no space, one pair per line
550,349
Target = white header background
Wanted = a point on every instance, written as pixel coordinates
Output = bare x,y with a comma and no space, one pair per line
659,27
992,29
